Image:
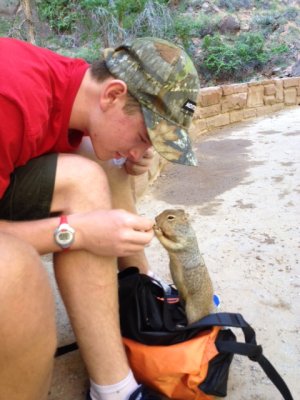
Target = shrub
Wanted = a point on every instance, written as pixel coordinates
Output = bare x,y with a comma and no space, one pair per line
154,20
114,19
247,53
185,27
60,14
268,22
207,24
291,13
235,5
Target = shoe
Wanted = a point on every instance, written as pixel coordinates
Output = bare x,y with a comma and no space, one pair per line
141,393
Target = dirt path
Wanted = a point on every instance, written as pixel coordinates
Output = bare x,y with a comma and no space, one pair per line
244,201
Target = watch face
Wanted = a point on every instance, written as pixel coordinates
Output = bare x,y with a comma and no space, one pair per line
65,237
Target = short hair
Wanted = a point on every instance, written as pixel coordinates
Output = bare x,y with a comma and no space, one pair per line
99,70
100,73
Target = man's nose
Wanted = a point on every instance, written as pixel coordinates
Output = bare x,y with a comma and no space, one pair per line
137,153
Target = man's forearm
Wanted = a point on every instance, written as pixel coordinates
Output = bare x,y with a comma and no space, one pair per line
40,233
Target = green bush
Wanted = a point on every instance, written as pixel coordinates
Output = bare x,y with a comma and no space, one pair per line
60,14
63,14
188,27
247,53
185,27
85,26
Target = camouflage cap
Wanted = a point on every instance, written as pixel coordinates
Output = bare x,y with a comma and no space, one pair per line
165,82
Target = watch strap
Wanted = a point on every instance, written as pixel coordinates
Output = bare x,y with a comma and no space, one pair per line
63,220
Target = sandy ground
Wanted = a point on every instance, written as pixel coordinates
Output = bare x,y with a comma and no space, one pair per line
243,201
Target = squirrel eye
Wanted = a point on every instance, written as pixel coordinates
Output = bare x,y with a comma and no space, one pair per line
171,217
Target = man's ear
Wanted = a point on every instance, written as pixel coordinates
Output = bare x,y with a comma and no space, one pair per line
113,91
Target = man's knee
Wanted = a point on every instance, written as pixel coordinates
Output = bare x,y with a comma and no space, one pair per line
81,185
22,274
25,294
17,258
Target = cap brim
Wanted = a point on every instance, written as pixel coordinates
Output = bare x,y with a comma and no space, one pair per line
169,140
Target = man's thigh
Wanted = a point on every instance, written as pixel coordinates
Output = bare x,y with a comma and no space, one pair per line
30,192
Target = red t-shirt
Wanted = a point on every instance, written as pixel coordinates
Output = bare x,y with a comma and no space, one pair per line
37,92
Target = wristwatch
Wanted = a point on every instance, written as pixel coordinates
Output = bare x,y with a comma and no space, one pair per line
64,235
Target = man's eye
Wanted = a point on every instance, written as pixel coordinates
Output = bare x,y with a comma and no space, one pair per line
145,140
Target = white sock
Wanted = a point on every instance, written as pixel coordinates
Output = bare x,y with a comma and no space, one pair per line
118,391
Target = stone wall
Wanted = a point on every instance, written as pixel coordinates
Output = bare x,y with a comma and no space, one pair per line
223,105
220,106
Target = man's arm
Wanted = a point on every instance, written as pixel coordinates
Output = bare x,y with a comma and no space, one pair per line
131,167
102,232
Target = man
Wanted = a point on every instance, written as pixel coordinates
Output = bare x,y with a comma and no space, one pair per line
52,199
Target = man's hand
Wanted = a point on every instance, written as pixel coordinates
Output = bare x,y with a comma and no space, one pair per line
141,166
111,232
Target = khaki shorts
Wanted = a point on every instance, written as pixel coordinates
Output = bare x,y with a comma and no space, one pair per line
30,192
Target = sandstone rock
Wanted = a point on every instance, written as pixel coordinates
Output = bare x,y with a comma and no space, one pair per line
234,101
229,24
236,116
269,100
209,96
209,111
279,90
235,88
261,111
291,82
8,7
255,96
249,113
217,121
290,96
269,90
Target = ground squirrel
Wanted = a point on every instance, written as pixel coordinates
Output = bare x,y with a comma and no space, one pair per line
188,269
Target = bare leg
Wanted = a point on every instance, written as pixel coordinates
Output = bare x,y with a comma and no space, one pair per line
27,323
122,197
87,282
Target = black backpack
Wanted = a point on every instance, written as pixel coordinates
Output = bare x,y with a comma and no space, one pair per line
149,318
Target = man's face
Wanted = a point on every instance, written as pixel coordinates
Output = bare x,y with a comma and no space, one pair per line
120,135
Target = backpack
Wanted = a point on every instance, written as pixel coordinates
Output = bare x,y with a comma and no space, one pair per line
182,362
